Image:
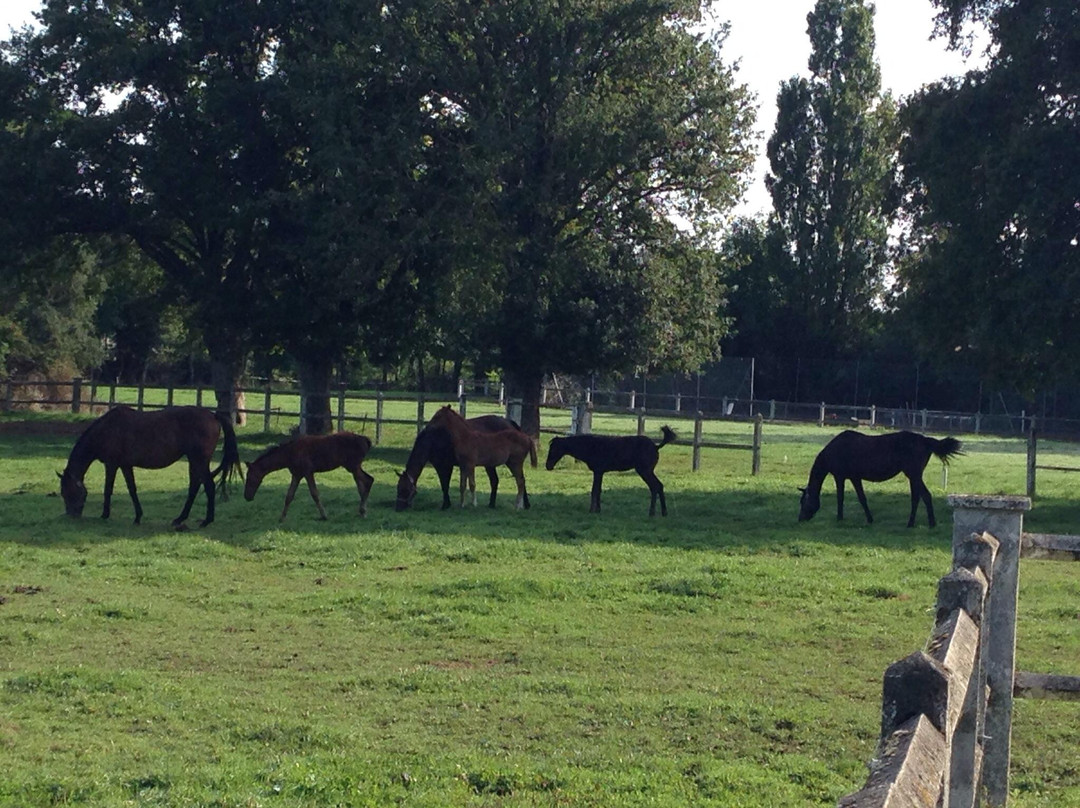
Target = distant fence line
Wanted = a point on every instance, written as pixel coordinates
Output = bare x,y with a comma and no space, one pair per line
91,393
946,713
97,396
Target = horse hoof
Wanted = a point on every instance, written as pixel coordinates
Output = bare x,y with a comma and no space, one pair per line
180,527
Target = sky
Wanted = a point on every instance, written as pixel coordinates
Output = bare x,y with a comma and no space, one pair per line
768,38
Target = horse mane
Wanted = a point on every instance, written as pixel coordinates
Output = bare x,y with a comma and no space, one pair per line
91,431
271,451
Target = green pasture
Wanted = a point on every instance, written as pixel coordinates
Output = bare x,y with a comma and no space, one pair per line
724,656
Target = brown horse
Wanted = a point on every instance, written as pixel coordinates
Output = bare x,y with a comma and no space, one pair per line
308,454
472,448
435,447
127,439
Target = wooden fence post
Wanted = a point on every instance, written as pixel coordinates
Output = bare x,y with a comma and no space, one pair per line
341,407
772,409
1032,441
112,394
420,412
169,396
463,404
76,393
198,395
755,464
641,421
378,416
266,408
1003,518
696,463
141,395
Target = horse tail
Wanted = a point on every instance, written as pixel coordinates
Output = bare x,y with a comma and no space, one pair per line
669,436
230,459
945,448
532,451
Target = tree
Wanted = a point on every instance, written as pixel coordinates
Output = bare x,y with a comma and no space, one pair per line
584,132
991,168
832,159
161,122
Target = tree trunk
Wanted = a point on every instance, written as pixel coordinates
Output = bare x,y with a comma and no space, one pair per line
225,377
527,385
315,392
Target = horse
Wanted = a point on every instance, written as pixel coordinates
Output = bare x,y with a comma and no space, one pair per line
308,454
435,446
474,448
604,453
857,457
127,439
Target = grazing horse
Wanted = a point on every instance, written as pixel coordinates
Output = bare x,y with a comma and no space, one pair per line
308,454
127,439
857,457
434,446
603,453
474,448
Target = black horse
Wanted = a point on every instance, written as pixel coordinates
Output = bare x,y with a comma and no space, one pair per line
857,457
603,453
433,445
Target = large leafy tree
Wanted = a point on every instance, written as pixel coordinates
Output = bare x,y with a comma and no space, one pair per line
161,122
585,130
992,164
832,158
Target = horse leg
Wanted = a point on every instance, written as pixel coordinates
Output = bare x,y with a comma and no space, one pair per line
839,496
445,473
656,488
493,479
129,478
289,496
856,483
364,482
594,496
310,477
522,501
193,490
110,479
919,490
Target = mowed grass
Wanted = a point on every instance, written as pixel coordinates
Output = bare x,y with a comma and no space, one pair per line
724,656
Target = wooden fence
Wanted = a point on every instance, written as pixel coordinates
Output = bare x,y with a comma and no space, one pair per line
1032,459
946,726
265,404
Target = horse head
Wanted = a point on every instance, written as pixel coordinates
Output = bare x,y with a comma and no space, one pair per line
252,480
406,491
808,505
556,450
74,493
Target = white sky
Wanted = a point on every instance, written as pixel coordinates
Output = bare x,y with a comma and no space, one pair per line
768,37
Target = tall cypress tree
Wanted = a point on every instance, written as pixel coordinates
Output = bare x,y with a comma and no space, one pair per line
832,157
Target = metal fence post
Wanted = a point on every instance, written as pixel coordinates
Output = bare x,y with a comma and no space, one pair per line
378,416
695,463
755,465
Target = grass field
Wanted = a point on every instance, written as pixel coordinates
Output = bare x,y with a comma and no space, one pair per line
724,656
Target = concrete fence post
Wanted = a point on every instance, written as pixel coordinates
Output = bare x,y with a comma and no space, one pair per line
1003,518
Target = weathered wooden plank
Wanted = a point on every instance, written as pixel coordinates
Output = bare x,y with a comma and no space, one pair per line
908,771
1050,547
1046,686
955,644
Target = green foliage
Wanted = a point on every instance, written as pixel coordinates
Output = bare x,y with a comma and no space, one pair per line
832,162
724,656
991,164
